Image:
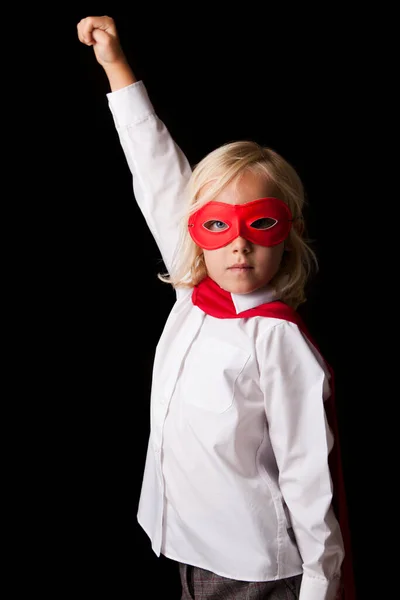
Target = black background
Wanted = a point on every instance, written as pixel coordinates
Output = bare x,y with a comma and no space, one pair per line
297,82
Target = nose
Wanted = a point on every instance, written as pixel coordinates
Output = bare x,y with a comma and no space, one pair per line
240,244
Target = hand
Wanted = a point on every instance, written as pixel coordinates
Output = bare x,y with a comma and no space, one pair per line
101,33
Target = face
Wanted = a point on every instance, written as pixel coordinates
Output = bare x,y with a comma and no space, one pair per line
242,266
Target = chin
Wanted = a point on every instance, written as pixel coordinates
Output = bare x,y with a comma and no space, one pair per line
240,288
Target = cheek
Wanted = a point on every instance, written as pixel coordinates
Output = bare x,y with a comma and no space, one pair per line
212,259
271,257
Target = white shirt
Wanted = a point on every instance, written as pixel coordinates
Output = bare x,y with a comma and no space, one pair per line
236,479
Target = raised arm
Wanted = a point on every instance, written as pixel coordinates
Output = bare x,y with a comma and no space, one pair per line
159,168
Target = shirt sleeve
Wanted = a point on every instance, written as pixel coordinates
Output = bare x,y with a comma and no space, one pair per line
295,386
159,168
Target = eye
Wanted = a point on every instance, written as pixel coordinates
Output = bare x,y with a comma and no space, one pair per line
215,225
264,223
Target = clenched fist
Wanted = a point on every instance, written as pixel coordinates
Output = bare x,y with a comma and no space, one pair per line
101,33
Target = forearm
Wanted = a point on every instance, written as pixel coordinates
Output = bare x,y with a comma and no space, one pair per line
159,168
119,74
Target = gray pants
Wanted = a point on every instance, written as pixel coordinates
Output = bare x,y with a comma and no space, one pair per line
199,584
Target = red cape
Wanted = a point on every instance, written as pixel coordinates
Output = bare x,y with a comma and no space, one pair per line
216,302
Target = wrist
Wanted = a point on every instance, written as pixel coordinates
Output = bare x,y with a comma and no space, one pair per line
119,74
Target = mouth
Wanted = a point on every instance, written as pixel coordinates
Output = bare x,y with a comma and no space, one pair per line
240,267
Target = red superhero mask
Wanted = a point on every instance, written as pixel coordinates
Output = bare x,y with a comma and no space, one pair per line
266,222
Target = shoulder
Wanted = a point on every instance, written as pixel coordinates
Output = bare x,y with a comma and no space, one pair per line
281,321
278,329
288,341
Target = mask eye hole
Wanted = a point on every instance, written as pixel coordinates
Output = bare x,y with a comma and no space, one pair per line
215,226
264,223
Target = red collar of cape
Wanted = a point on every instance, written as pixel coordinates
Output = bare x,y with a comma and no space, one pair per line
215,301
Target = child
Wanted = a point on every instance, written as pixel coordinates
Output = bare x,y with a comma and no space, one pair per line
237,486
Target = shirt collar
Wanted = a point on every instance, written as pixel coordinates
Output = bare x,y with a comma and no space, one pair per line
244,302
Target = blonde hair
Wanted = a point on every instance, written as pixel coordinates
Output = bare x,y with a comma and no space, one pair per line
218,169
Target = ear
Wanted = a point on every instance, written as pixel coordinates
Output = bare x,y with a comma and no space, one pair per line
298,226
